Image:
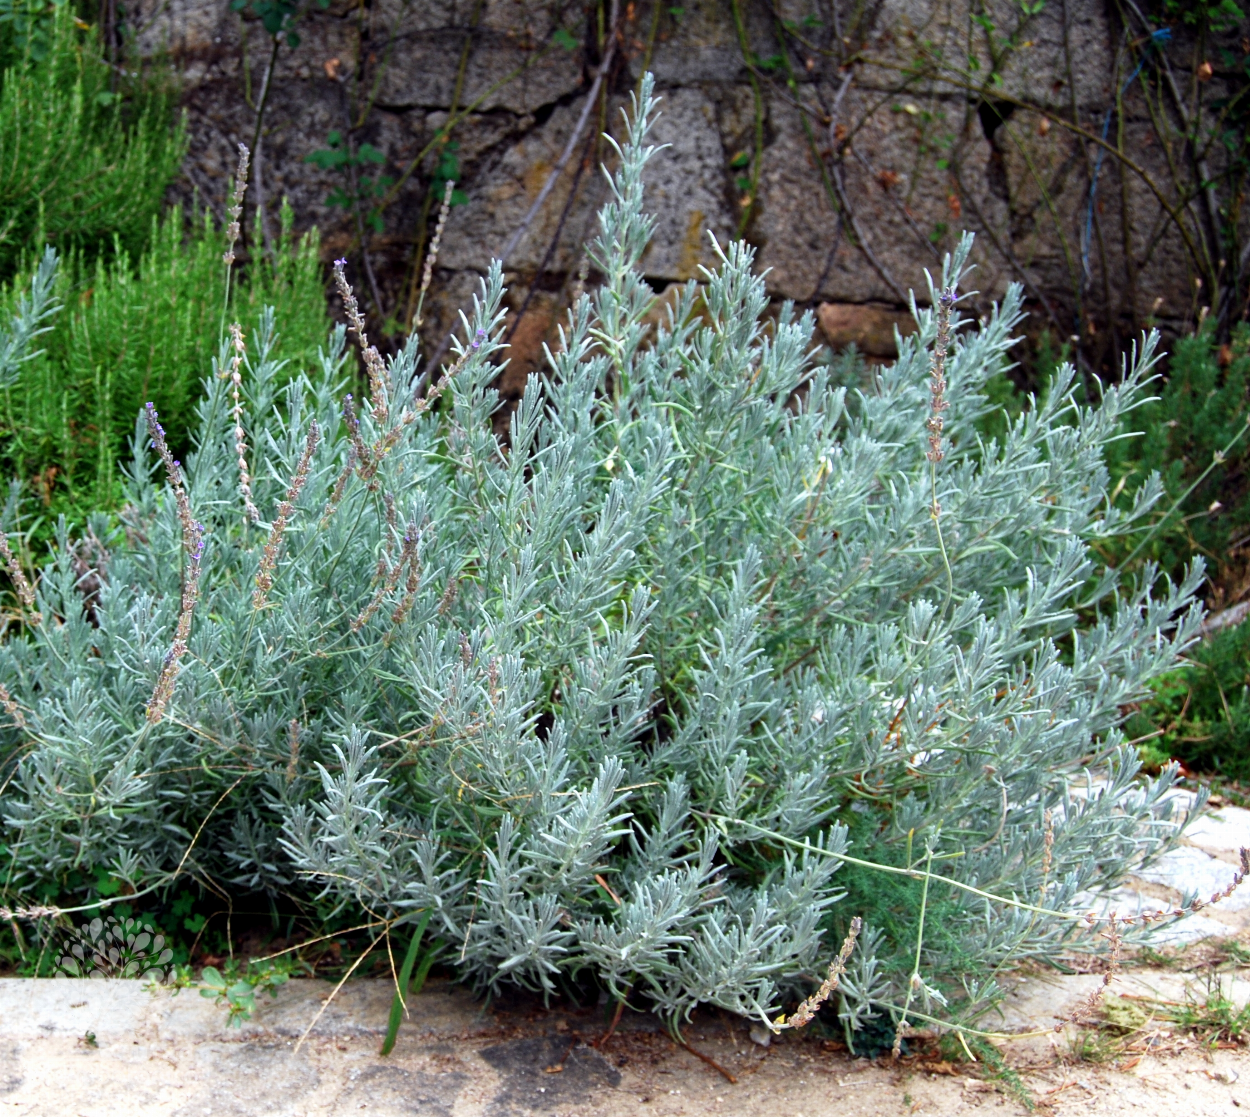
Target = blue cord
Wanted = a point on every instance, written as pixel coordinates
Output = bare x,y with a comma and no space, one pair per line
1157,38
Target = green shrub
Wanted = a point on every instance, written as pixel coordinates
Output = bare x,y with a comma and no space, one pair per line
615,696
1195,435
1200,714
81,163
132,332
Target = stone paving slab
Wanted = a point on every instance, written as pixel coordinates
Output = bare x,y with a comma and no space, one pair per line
1221,832
159,1055
1205,860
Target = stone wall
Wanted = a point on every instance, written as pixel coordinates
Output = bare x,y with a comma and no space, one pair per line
849,140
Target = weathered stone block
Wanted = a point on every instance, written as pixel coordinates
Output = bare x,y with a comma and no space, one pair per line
869,328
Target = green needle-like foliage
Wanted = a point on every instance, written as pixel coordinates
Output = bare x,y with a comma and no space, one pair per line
614,695
1196,434
130,332
79,163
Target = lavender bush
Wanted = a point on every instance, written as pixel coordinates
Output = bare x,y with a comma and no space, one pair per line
616,692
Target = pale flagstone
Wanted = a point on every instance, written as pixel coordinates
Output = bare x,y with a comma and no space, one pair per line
1187,870
1224,831
1204,862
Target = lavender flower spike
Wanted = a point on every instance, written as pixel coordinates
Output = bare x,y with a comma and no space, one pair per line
173,471
25,593
164,689
937,379
236,206
193,547
431,255
373,359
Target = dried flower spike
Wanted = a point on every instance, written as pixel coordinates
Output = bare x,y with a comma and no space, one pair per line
373,359
937,379
365,460
193,546
173,471
1085,1008
579,285
39,911
11,707
806,1011
1048,851
340,486
431,256
389,580
25,594
164,689
236,206
449,596
269,559
292,744
240,442
440,385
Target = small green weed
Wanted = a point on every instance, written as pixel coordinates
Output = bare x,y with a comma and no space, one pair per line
1212,1019
238,990
1088,1045
1215,1019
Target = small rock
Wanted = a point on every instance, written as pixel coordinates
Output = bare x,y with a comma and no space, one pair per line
761,1035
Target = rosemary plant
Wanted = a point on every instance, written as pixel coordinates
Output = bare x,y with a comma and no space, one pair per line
85,151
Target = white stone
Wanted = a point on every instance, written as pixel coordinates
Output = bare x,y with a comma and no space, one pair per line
1224,831
1187,869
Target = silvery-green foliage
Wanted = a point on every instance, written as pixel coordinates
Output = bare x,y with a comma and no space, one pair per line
30,321
573,690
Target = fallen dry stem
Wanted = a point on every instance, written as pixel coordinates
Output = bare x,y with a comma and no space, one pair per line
706,1058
